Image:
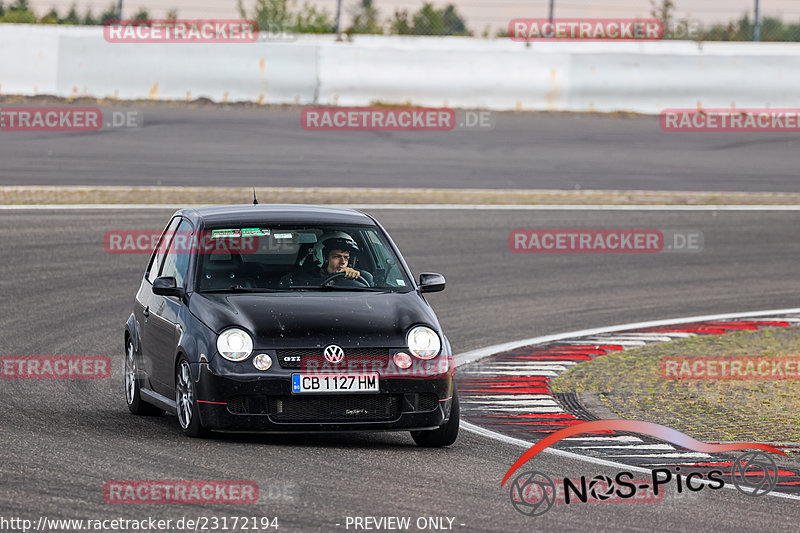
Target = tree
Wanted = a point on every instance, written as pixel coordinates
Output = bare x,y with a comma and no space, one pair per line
663,12
20,13
311,20
172,15
72,16
399,24
51,17
741,30
431,21
270,15
428,21
88,18
110,13
365,19
453,23
142,14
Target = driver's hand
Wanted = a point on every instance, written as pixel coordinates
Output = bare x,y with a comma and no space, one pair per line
351,273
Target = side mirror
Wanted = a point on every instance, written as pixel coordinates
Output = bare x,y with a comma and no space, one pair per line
166,286
431,282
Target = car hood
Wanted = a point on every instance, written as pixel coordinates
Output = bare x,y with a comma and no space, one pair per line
311,319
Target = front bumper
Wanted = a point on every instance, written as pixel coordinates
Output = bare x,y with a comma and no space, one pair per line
265,404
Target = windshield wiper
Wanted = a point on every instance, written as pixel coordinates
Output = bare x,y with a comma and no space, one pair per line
239,288
334,288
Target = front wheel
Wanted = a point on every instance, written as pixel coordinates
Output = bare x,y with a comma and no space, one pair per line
133,393
186,401
446,434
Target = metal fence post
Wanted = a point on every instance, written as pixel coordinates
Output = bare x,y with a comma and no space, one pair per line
757,25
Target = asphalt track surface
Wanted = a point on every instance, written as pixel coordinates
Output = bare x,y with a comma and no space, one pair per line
62,440
236,146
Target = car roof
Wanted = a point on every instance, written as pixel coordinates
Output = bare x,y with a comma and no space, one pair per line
274,213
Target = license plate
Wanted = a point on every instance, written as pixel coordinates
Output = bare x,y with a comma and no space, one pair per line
312,383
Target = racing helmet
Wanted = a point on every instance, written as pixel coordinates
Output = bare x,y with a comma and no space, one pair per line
315,254
340,243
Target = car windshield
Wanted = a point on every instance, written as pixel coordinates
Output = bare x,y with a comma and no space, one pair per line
277,258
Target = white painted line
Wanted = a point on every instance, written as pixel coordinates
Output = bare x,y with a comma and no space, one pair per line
651,337
626,447
688,455
512,402
621,438
507,396
620,339
440,207
481,353
600,341
531,363
515,373
69,207
531,410
525,368
570,207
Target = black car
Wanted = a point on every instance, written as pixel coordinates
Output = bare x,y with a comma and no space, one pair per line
288,318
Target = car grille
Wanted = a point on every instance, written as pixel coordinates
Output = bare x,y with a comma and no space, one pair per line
248,405
428,401
364,407
341,408
292,357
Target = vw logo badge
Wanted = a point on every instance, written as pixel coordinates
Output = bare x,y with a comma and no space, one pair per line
333,353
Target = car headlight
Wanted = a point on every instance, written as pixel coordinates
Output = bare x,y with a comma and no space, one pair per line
235,344
423,342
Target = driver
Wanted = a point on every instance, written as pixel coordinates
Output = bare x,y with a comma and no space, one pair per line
337,254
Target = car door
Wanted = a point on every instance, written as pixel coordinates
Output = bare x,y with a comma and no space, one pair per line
164,327
145,300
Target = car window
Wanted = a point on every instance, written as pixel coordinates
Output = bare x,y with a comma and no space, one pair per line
387,268
158,255
176,262
279,257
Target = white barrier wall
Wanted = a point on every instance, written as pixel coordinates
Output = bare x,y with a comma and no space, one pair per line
428,71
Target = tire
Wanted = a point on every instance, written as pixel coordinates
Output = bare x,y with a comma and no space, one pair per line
133,394
186,401
446,434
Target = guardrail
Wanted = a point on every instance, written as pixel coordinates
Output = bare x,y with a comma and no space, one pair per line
643,77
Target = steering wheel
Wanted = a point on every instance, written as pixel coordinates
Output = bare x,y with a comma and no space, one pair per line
339,275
